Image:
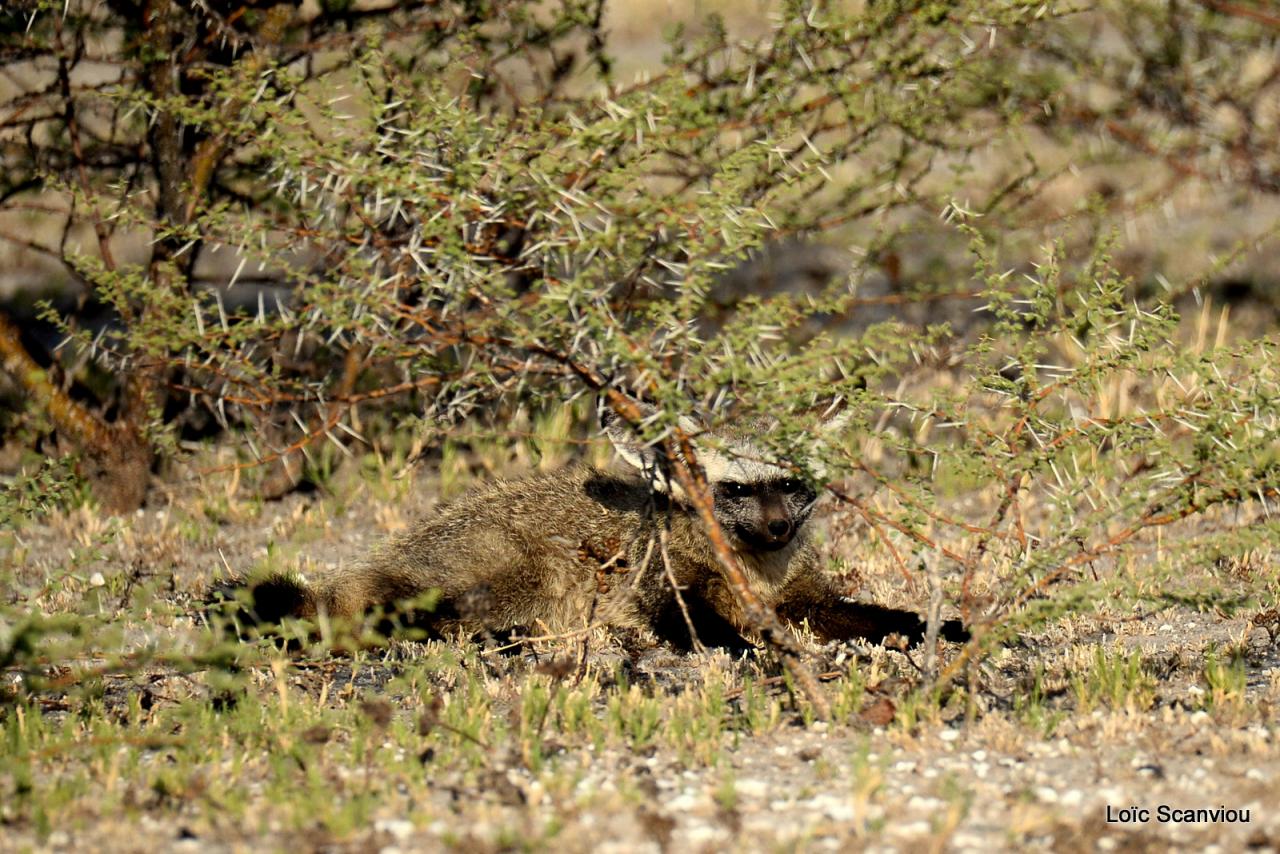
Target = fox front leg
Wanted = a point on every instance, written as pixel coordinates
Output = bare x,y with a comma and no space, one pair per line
811,598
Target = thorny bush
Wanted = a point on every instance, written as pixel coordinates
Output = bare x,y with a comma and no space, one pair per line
457,210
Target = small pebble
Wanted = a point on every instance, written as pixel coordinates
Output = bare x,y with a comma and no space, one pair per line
396,827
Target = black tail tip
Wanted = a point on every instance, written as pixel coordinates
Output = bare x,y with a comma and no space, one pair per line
279,597
258,603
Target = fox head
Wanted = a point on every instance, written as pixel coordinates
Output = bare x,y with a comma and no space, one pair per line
760,505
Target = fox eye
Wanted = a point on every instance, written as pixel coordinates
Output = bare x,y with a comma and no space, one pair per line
733,489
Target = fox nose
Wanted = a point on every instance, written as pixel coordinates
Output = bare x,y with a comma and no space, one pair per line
779,528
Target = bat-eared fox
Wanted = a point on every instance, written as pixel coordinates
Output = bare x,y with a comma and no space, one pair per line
558,552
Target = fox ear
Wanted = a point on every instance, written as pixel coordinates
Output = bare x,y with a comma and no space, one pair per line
634,453
645,458
835,418
832,423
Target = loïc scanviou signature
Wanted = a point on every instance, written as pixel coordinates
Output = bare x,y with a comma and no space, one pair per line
1165,814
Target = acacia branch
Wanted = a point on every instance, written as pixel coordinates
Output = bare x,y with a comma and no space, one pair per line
758,615
68,416
116,458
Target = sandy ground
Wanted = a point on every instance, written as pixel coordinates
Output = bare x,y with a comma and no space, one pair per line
1071,779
